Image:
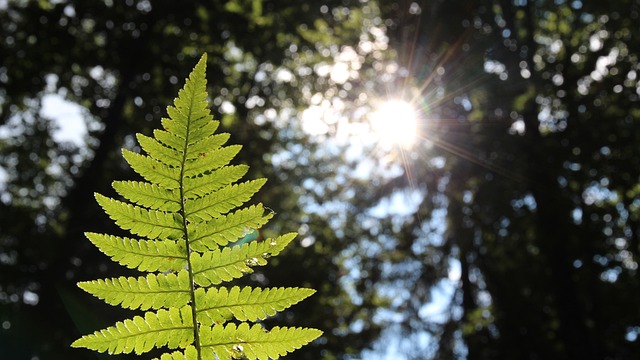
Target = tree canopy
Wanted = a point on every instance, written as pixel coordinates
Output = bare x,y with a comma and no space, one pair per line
532,108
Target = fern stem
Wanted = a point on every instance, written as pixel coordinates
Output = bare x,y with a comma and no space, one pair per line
192,293
196,335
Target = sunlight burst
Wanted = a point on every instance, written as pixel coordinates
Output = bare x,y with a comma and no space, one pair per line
395,123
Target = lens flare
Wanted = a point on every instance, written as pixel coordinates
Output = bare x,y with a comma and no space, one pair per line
395,123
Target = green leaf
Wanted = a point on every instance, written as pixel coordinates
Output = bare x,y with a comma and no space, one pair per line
226,229
209,160
218,266
217,305
190,353
173,328
141,221
169,139
153,170
195,187
220,202
159,151
145,292
231,341
149,195
211,143
145,255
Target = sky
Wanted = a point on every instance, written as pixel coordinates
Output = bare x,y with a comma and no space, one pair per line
68,118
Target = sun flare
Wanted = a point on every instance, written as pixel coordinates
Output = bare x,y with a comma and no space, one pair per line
395,123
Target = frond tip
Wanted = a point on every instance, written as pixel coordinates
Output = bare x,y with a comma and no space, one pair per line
189,220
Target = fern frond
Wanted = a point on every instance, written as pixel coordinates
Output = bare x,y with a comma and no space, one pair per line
168,139
141,221
190,353
148,195
221,201
215,267
189,117
145,255
190,124
188,211
195,187
210,160
153,170
159,151
232,342
173,328
211,143
145,292
218,305
226,229
198,134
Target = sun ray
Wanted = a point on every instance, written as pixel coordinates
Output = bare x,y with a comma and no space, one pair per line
474,158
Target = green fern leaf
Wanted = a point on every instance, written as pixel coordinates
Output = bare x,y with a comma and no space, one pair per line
153,170
190,118
145,292
192,225
173,328
199,186
145,255
141,221
215,267
168,139
232,342
148,195
199,133
210,160
190,353
218,305
221,201
157,150
211,143
221,231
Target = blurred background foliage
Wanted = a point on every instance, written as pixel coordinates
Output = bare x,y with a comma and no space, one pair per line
507,227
